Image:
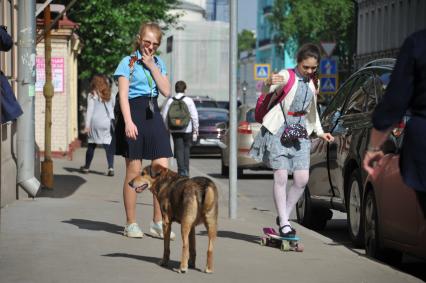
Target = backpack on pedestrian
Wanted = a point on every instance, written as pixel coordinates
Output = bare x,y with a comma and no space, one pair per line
178,116
264,104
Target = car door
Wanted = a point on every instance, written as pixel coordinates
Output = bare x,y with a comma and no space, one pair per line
349,130
319,182
397,204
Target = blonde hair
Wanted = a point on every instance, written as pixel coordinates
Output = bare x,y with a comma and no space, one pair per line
151,26
100,85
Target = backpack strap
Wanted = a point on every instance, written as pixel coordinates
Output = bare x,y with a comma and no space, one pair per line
178,99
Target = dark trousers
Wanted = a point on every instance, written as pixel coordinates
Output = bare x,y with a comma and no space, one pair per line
91,152
421,197
182,146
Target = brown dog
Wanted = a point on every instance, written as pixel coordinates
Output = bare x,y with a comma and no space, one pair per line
188,201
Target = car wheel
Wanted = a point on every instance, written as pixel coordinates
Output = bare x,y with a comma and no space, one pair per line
309,215
371,233
224,171
353,209
240,172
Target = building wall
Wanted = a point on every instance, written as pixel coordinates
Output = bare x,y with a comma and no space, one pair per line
8,63
384,24
267,52
64,105
200,57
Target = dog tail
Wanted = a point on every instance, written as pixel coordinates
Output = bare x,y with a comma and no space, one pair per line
210,198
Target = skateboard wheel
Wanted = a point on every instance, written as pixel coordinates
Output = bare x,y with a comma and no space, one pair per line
285,246
263,241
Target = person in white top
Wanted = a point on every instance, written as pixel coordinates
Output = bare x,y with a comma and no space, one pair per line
182,138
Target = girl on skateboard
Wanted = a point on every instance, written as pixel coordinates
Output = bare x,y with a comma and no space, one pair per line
283,143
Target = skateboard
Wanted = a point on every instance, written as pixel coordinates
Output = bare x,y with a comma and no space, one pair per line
273,239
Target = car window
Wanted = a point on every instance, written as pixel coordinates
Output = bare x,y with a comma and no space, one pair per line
335,107
382,81
361,89
205,104
213,115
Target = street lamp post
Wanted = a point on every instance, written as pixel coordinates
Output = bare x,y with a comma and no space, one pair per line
244,89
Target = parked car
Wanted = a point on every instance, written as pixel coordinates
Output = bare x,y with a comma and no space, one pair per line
336,175
247,130
210,132
393,218
204,102
225,104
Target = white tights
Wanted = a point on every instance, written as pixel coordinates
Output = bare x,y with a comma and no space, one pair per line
285,202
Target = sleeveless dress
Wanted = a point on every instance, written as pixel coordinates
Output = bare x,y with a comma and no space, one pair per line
268,147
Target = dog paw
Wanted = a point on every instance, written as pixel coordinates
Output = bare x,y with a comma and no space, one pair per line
208,270
180,270
191,265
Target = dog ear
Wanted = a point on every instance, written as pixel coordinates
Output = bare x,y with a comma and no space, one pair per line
155,170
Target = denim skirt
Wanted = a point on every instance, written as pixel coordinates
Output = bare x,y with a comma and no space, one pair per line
153,139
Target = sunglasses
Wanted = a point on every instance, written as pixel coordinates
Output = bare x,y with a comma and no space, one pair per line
147,43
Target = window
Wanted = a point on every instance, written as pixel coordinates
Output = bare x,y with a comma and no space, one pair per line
357,99
333,111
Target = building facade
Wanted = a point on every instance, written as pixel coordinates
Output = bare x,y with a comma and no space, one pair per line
267,52
384,24
65,48
217,10
197,52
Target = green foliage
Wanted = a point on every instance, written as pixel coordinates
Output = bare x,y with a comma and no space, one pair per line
300,21
108,28
246,41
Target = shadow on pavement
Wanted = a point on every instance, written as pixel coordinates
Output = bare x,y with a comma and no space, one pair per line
245,176
337,231
77,170
64,186
172,263
96,225
234,235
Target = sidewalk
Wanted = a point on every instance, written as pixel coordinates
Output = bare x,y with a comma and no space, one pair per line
74,234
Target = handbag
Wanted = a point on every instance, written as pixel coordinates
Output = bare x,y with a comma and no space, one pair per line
292,133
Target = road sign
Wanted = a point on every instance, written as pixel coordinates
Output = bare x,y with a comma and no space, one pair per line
328,66
262,71
328,85
328,47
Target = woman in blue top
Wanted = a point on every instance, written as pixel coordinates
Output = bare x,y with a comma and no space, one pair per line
140,132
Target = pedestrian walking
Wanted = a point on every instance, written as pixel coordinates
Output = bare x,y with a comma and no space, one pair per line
283,143
406,92
181,117
140,130
99,119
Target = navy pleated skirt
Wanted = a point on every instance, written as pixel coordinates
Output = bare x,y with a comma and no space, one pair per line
152,141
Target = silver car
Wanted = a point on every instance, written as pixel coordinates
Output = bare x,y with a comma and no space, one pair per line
247,130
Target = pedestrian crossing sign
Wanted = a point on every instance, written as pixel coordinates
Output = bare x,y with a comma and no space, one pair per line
328,85
262,71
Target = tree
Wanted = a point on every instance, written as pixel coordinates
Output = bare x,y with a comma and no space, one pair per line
299,21
246,41
107,29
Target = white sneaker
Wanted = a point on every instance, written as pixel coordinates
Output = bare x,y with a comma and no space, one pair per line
156,230
132,231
